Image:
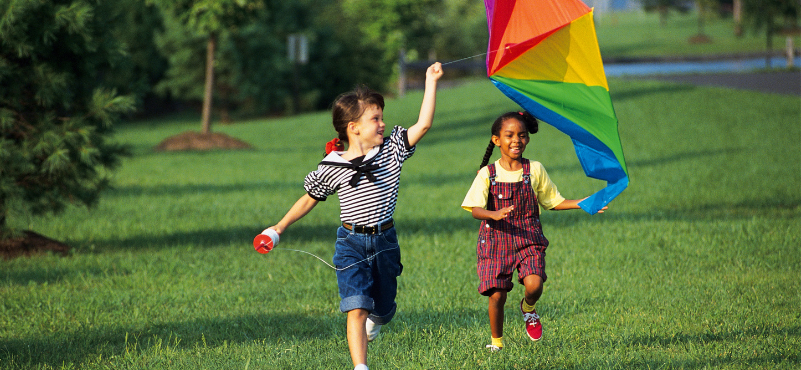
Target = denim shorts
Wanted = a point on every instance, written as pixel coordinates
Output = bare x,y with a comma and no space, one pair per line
370,266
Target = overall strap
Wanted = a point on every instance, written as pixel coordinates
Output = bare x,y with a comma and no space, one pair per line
526,170
492,173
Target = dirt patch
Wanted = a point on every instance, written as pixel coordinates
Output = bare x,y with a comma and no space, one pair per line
30,244
700,39
191,140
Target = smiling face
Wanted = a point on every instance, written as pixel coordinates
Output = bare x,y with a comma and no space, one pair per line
369,129
512,139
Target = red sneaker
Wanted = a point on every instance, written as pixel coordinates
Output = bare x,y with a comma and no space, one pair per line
533,325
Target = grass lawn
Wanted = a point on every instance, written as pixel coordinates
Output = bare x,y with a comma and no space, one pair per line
637,34
695,265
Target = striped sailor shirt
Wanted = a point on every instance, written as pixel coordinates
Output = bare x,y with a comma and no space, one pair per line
368,189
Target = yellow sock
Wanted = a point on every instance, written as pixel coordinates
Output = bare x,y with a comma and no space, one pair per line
498,342
526,306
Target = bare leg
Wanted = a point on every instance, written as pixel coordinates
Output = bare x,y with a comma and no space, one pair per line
357,336
533,285
496,302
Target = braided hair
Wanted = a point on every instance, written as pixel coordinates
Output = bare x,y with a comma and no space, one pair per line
531,123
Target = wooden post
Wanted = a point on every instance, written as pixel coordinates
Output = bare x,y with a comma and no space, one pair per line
402,73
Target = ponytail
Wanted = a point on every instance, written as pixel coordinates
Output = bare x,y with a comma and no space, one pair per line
532,125
333,145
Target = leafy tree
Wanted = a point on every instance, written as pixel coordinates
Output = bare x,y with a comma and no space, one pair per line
208,20
391,25
771,16
705,8
259,74
461,31
663,7
142,68
55,115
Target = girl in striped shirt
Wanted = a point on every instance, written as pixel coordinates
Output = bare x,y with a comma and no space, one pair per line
366,178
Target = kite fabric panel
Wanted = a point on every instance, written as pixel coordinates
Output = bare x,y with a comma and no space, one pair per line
544,55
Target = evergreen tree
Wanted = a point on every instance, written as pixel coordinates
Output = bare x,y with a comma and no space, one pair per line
55,115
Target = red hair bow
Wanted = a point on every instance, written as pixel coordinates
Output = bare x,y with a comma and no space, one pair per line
333,145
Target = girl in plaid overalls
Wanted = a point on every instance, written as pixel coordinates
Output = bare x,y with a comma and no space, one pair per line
506,196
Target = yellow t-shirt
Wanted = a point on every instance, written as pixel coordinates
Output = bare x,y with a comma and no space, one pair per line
547,194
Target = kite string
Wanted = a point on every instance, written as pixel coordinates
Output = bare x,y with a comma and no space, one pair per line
334,267
459,60
474,56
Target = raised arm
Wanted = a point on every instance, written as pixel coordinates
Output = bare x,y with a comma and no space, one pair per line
301,208
419,129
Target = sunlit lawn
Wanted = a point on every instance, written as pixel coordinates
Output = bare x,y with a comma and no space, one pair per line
695,265
638,34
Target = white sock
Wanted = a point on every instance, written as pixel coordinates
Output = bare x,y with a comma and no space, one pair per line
361,367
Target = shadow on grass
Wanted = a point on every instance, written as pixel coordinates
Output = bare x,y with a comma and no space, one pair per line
84,345
204,239
643,91
194,189
686,156
771,208
304,232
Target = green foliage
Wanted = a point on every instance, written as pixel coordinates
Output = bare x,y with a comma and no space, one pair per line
134,28
55,116
461,30
394,24
253,73
771,15
694,266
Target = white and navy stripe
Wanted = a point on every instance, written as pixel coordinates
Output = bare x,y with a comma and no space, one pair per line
368,202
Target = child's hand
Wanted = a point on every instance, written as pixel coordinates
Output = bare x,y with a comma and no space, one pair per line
600,211
502,213
434,72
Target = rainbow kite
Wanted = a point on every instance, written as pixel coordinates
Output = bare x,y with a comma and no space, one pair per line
544,55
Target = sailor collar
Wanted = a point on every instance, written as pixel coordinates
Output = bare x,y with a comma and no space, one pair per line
334,159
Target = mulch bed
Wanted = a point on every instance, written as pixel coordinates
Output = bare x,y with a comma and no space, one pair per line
198,141
30,244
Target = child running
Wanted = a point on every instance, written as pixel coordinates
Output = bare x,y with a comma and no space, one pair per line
366,178
506,196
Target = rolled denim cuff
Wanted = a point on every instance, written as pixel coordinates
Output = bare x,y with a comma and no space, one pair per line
384,319
358,301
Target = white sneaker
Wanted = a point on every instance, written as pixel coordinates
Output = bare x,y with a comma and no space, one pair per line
372,330
361,367
493,348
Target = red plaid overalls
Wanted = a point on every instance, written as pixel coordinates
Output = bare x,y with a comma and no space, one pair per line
516,242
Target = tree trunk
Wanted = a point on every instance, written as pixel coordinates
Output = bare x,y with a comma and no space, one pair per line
769,41
207,93
2,217
663,15
737,14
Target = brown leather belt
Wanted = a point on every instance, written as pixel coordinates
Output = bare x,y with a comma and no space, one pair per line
361,229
